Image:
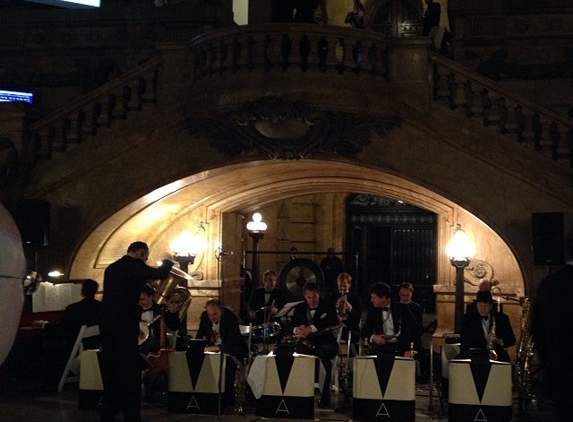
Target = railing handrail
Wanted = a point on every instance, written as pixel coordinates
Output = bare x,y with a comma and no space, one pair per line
90,97
499,88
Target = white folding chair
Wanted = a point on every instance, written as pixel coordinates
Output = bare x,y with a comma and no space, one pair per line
71,371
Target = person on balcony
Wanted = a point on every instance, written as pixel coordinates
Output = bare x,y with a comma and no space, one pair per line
431,18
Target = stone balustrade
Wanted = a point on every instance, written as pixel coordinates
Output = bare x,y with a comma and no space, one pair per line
99,108
501,109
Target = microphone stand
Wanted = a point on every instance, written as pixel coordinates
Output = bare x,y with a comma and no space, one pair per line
221,256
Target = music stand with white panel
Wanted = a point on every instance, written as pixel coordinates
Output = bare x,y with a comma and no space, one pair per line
479,391
283,386
384,389
194,383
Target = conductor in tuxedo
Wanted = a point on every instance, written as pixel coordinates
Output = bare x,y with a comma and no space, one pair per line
389,328
483,325
312,323
119,331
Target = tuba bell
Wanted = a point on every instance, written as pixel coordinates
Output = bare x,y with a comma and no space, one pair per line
175,286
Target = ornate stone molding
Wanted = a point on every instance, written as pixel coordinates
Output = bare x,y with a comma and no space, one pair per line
288,130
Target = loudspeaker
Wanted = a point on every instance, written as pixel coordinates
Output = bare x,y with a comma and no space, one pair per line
547,238
33,220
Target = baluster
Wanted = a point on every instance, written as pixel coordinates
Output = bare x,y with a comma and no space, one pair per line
442,89
89,122
340,55
322,54
286,49
373,60
554,135
493,116
461,92
212,59
119,110
503,116
513,115
134,98
222,57
149,87
43,143
236,56
251,52
537,131
304,52
74,133
268,52
104,118
357,56
569,135
527,131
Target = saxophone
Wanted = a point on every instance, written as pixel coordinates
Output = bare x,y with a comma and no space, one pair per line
491,338
524,355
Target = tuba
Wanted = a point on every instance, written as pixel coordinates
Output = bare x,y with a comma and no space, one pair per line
175,284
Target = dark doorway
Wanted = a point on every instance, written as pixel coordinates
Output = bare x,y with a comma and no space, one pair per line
393,242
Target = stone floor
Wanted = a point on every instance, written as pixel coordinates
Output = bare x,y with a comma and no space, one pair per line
32,404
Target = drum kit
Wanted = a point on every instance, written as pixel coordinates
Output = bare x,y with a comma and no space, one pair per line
291,280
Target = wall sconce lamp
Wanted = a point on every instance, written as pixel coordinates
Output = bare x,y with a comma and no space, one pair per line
187,246
460,250
256,229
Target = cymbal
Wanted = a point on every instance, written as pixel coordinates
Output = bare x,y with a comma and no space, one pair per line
295,274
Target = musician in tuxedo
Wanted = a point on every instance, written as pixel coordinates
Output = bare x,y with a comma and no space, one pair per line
60,337
478,325
412,317
219,326
349,307
267,300
119,330
313,322
389,328
151,314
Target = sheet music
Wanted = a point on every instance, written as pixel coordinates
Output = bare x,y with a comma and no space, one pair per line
55,297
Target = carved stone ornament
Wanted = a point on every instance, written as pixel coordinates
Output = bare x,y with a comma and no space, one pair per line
476,270
288,130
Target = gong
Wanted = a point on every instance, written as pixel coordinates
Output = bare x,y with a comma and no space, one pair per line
295,274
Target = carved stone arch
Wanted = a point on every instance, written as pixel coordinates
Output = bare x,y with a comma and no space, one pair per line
397,18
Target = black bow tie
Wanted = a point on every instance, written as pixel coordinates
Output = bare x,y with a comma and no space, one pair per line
312,309
386,309
147,310
484,318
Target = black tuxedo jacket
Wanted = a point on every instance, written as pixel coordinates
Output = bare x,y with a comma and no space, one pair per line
404,322
325,320
473,337
123,282
232,341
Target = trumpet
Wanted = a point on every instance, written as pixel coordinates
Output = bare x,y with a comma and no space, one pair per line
341,308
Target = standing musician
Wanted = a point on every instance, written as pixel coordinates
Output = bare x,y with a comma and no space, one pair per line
119,329
219,326
267,300
484,329
388,329
349,308
313,321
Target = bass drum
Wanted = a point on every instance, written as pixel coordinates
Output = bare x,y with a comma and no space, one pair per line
295,274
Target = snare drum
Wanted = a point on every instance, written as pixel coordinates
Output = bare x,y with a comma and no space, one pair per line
268,330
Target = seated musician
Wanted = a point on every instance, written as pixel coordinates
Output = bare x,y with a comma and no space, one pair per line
389,329
60,337
349,308
484,328
219,326
151,313
312,324
267,300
